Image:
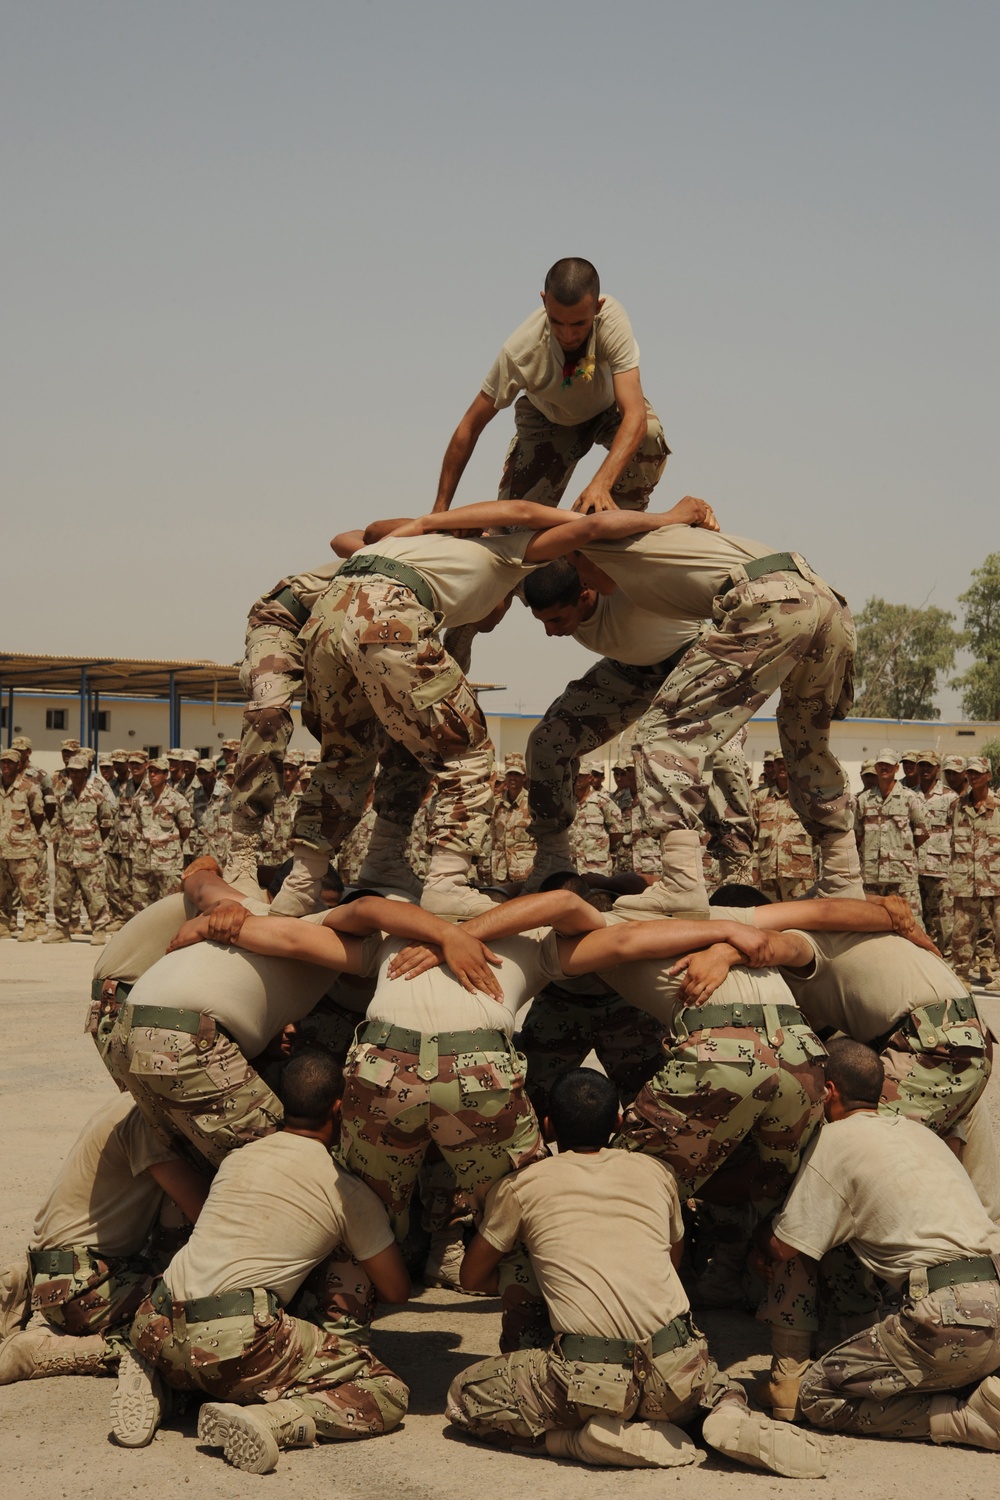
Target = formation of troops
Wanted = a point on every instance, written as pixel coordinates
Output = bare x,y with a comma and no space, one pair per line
324,1092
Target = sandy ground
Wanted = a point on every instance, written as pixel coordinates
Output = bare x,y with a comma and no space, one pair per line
54,1433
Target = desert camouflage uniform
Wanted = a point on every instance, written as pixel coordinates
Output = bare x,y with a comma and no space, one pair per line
786,860
22,849
596,823
160,828
513,852
410,1089
543,454
937,1062
720,1083
276,834
195,1088
645,846
885,829
119,899
354,849
934,866
418,843
597,708
271,677
315,1352
975,877
83,823
567,1021
532,1391
43,781
782,631
214,828
881,1382
384,689
83,1292
125,835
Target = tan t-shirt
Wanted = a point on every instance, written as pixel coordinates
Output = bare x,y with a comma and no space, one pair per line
598,1228
676,571
144,939
253,997
619,629
862,982
277,1207
468,576
892,1190
104,1197
436,1001
648,984
532,361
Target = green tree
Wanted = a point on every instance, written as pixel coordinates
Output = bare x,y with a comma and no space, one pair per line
981,683
991,750
902,652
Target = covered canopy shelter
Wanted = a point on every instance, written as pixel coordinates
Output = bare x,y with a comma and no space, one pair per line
90,676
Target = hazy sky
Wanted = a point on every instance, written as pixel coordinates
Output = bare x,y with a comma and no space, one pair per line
258,258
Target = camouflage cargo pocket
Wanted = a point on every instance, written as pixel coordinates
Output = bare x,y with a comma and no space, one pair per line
712,1050
149,1064
602,1387
371,1069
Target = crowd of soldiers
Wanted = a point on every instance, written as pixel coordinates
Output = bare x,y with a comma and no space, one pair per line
799,1076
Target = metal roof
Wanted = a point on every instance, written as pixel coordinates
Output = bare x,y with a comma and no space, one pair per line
128,676
131,677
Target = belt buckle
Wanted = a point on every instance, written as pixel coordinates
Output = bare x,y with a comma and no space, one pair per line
427,1062
918,1283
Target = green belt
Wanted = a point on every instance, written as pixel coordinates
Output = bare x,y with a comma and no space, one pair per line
52,1262
953,1273
962,1008
774,562
366,565
428,1047
121,993
591,1350
295,607
238,1304
197,1023
703,1017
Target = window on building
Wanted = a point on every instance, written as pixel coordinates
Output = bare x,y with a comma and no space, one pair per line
152,751
204,752
3,718
101,720
55,718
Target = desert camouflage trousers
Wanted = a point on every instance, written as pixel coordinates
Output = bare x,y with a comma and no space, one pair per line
938,909
881,1382
22,878
271,678
90,882
98,1295
268,1354
937,1063
562,1028
543,454
118,874
470,1103
973,915
382,686
196,1091
784,888
723,1085
152,885
598,707
531,1391
908,889
780,631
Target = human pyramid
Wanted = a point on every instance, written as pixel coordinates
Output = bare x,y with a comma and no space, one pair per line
801,1078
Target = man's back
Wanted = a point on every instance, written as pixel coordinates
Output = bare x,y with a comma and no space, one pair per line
598,1226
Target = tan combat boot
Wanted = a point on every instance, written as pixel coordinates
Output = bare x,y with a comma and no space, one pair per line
15,1298
447,892
791,1356
251,1437
385,865
98,937
839,866
299,894
5,931
35,1353
29,932
244,855
139,1402
609,1441
975,1422
733,1429
57,935
552,857
680,890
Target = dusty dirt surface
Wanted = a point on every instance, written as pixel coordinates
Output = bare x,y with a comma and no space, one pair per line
54,1442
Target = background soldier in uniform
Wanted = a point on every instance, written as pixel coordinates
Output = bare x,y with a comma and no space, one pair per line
161,825
786,859
934,854
513,847
975,871
890,827
596,828
84,816
22,849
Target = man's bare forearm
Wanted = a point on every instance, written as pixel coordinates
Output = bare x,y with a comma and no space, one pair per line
400,919
824,914
489,513
568,914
